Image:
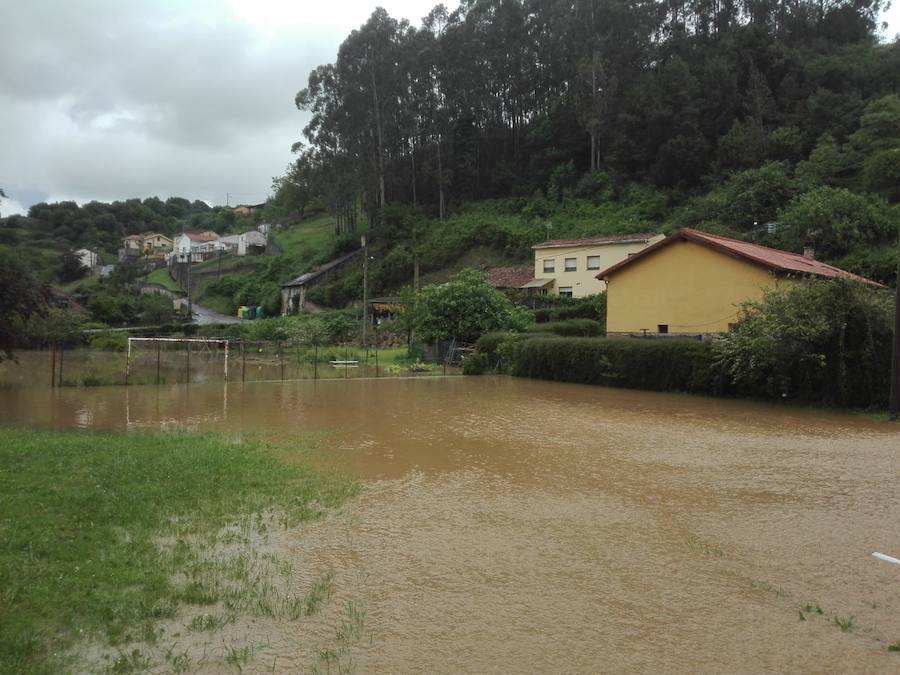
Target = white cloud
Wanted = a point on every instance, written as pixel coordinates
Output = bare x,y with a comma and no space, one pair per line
9,207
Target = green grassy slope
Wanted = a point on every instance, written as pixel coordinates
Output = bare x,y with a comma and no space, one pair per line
162,277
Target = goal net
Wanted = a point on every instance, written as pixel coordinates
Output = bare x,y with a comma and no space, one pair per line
161,360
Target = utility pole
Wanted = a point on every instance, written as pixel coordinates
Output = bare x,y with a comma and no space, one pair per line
894,404
227,199
190,289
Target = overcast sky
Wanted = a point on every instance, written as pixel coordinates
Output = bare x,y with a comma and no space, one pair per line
110,99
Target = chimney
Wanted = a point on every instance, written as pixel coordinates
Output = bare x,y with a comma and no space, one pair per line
809,252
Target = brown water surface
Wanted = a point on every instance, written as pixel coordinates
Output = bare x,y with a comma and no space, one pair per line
513,525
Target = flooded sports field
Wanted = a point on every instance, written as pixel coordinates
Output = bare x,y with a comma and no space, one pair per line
510,525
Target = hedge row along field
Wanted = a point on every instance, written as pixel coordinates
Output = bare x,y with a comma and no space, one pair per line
661,365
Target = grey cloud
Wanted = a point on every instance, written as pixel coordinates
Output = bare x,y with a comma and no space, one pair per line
110,100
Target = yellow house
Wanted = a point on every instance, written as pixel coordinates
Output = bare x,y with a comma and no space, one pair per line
157,243
569,267
692,283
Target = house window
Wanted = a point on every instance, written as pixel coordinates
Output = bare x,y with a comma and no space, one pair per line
593,262
566,291
550,265
570,264
662,328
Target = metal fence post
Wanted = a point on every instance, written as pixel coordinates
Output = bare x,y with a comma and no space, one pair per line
52,365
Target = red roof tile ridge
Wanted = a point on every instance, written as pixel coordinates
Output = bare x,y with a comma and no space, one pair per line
773,258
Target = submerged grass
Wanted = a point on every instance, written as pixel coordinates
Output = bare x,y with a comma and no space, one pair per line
82,516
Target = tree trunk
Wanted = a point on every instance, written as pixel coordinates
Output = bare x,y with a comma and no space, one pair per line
380,134
412,155
440,182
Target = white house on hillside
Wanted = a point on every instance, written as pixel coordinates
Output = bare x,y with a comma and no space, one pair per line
242,244
197,245
87,258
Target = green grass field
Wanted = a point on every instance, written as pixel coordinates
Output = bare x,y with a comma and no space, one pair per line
84,518
163,278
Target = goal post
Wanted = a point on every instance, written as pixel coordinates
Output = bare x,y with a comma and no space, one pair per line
188,343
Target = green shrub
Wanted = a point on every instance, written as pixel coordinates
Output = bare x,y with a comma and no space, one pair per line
824,341
109,342
475,364
589,307
569,328
662,365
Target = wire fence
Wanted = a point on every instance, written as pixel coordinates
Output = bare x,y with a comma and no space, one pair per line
194,361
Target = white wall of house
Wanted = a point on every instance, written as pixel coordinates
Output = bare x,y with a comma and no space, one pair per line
574,269
87,258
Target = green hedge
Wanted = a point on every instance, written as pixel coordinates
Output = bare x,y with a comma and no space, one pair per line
496,344
569,328
661,365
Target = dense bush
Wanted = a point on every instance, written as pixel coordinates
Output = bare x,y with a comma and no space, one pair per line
569,328
589,307
824,341
109,342
475,364
663,365
490,344
464,308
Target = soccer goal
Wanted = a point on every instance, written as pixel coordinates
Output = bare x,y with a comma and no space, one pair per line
175,360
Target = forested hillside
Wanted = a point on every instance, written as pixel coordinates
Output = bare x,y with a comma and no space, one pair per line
718,115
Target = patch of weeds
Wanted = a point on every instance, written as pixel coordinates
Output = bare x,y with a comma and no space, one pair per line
846,624
134,662
352,628
160,609
238,656
204,622
809,610
319,593
894,647
199,593
179,662
696,545
777,591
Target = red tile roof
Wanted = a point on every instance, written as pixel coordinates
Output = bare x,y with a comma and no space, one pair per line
510,277
133,237
202,236
779,261
593,241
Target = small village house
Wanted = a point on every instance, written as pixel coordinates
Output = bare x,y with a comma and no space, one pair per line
569,267
132,246
692,283
156,244
247,243
247,210
87,258
196,246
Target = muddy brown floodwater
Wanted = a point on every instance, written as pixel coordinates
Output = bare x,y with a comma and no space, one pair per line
512,525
